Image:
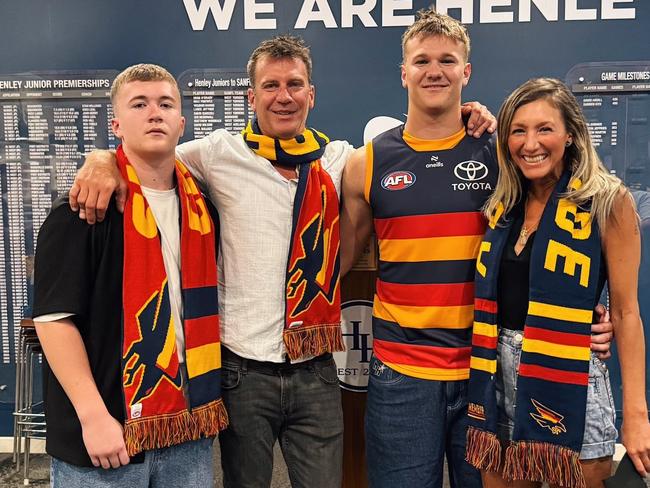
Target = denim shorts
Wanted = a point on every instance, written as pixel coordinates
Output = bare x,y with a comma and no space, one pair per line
600,432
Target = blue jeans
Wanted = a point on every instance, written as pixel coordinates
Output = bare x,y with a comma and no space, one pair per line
411,424
299,405
180,466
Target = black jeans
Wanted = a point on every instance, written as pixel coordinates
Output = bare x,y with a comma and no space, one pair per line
298,404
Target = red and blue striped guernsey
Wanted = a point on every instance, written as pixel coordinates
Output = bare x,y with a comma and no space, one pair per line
426,197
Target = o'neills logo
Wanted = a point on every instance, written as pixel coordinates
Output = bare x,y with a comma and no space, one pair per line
397,180
470,173
352,365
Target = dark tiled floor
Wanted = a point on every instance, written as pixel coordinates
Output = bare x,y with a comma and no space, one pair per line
40,474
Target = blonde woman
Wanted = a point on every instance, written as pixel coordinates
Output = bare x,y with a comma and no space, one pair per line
559,226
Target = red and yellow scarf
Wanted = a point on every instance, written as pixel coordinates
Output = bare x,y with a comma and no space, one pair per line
313,299
158,414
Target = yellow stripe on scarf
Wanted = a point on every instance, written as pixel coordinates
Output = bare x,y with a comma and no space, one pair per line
556,350
482,364
295,148
292,147
487,330
202,359
560,313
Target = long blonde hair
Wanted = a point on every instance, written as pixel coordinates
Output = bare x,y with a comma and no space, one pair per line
598,184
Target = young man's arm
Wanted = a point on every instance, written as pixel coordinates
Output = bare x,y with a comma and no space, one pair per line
356,214
99,178
602,333
66,355
479,119
67,255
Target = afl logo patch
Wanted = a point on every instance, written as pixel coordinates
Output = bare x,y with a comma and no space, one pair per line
470,171
397,180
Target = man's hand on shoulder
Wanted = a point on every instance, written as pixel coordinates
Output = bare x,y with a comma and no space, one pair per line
94,185
480,119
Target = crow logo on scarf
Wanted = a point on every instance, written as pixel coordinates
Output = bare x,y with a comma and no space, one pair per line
154,348
547,418
313,274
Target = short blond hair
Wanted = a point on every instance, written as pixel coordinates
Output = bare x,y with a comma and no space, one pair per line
142,72
428,22
278,47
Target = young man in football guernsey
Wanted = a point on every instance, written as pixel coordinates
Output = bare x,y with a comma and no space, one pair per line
421,187
127,314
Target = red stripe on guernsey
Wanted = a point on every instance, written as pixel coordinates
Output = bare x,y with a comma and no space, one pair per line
424,295
563,338
556,375
201,331
440,225
424,356
484,341
483,305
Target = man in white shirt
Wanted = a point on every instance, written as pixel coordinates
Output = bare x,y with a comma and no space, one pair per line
268,396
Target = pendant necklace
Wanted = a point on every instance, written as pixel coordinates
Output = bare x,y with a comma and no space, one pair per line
525,232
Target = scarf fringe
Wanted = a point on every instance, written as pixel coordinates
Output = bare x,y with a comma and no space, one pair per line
167,430
483,449
313,341
541,461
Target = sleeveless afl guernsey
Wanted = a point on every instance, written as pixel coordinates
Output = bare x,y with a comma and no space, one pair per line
426,198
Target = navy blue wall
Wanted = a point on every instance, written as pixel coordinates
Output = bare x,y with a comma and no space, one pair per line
356,70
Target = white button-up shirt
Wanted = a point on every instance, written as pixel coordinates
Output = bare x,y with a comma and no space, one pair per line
255,205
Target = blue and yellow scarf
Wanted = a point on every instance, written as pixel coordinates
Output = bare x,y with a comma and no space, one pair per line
554,370
312,294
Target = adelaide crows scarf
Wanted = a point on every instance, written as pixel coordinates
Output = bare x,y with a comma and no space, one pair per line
158,414
312,295
554,370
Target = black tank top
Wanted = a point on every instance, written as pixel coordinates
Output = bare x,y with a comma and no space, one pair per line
513,281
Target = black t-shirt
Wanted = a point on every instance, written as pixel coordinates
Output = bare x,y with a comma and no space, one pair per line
78,269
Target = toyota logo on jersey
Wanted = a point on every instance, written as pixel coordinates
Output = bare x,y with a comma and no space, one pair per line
470,171
397,180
